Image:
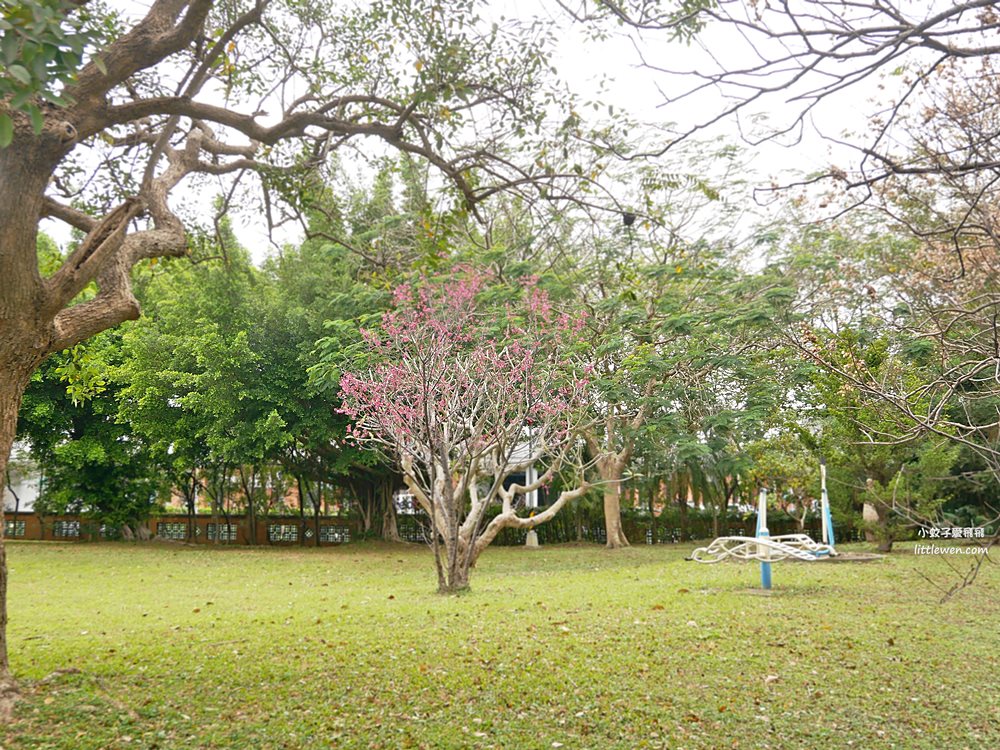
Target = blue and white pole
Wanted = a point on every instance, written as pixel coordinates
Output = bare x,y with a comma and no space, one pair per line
763,533
825,506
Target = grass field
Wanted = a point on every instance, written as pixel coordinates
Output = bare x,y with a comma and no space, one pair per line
574,647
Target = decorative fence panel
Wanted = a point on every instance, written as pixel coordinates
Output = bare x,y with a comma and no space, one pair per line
573,525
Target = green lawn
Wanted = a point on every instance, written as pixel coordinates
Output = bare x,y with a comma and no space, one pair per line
575,647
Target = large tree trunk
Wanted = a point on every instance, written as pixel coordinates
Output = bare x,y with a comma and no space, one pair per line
613,518
25,331
870,517
13,381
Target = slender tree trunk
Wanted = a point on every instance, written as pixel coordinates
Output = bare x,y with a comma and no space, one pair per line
216,520
682,507
730,495
452,566
190,491
216,508
316,508
302,513
13,381
223,503
249,490
390,529
458,566
252,508
17,501
461,558
610,470
365,500
884,532
651,504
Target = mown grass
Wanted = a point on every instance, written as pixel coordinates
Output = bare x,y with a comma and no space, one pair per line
350,648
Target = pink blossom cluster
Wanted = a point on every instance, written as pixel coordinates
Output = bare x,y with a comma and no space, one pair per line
455,380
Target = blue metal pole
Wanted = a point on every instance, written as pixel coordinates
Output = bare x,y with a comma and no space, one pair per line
827,519
765,567
763,533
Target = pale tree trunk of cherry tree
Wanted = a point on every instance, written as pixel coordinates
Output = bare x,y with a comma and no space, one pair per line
459,541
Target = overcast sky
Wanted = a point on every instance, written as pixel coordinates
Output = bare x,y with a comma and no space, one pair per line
640,91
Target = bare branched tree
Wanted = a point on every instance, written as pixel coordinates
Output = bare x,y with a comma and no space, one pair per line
785,59
927,162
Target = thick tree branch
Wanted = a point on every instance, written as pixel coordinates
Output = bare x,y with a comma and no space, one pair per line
168,27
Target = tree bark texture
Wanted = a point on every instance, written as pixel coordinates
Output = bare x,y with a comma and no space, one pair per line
14,376
611,470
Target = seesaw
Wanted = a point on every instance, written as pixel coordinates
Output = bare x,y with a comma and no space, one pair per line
767,549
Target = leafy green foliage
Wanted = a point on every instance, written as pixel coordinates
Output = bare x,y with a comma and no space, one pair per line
42,45
92,463
192,375
83,373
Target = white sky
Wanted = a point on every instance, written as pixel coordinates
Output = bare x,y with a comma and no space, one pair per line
637,90
640,91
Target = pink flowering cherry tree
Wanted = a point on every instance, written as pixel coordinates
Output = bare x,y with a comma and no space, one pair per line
464,394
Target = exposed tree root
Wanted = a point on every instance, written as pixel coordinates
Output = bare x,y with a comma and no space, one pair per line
9,694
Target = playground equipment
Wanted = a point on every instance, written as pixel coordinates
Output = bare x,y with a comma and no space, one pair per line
824,501
769,549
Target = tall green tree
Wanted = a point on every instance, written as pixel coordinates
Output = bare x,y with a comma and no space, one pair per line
93,464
